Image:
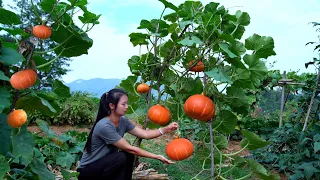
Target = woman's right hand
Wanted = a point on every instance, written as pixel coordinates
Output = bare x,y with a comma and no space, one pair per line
165,160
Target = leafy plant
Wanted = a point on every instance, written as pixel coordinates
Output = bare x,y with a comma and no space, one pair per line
194,32
19,155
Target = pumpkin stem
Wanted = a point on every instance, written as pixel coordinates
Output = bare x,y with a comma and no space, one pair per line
48,63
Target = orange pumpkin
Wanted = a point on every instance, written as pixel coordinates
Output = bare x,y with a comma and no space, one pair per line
199,67
159,114
17,118
199,107
41,31
179,149
143,88
23,79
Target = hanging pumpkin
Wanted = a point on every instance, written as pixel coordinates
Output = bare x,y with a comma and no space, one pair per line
159,114
143,88
17,118
23,79
179,149
199,67
199,107
41,31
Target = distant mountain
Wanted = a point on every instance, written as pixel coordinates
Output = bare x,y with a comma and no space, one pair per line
96,86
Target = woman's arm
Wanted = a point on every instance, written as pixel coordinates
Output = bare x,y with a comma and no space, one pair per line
124,145
150,134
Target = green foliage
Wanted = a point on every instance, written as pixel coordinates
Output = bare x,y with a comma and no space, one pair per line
293,152
233,70
24,155
80,109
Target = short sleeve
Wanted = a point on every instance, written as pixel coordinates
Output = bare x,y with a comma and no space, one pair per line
109,134
129,125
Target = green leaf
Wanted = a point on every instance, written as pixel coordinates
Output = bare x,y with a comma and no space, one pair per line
3,77
236,96
60,89
33,102
308,169
5,134
22,143
41,170
257,68
4,167
252,141
219,74
139,38
225,48
262,45
75,44
316,147
189,41
225,122
69,174
169,5
10,56
243,18
46,128
14,31
161,30
4,99
221,142
9,17
48,5
211,7
261,172
65,159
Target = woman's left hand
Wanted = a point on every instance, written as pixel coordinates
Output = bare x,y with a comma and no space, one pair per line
172,127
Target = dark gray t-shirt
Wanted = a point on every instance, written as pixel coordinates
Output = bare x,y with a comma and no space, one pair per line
105,133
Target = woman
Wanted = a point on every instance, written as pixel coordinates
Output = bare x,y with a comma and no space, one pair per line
106,154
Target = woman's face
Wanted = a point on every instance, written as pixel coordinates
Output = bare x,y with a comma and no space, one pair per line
122,106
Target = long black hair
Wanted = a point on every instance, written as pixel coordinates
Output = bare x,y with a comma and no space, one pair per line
113,97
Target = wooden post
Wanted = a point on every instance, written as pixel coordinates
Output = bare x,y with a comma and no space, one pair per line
284,76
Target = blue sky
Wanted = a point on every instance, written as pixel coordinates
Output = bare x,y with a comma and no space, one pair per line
286,21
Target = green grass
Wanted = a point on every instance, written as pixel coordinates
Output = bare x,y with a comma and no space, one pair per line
186,169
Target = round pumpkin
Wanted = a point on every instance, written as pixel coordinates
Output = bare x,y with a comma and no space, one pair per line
17,118
143,88
23,79
41,31
179,149
159,114
199,67
199,107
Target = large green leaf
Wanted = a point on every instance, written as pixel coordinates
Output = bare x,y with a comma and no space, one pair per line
48,5
169,5
257,68
236,96
156,27
308,169
252,141
14,31
221,142
3,77
75,44
22,143
219,74
10,56
5,134
261,172
139,38
4,99
243,18
225,48
33,102
190,40
46,128
65,159
60,89
261,45
225,122
40,168
9,17
4,167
